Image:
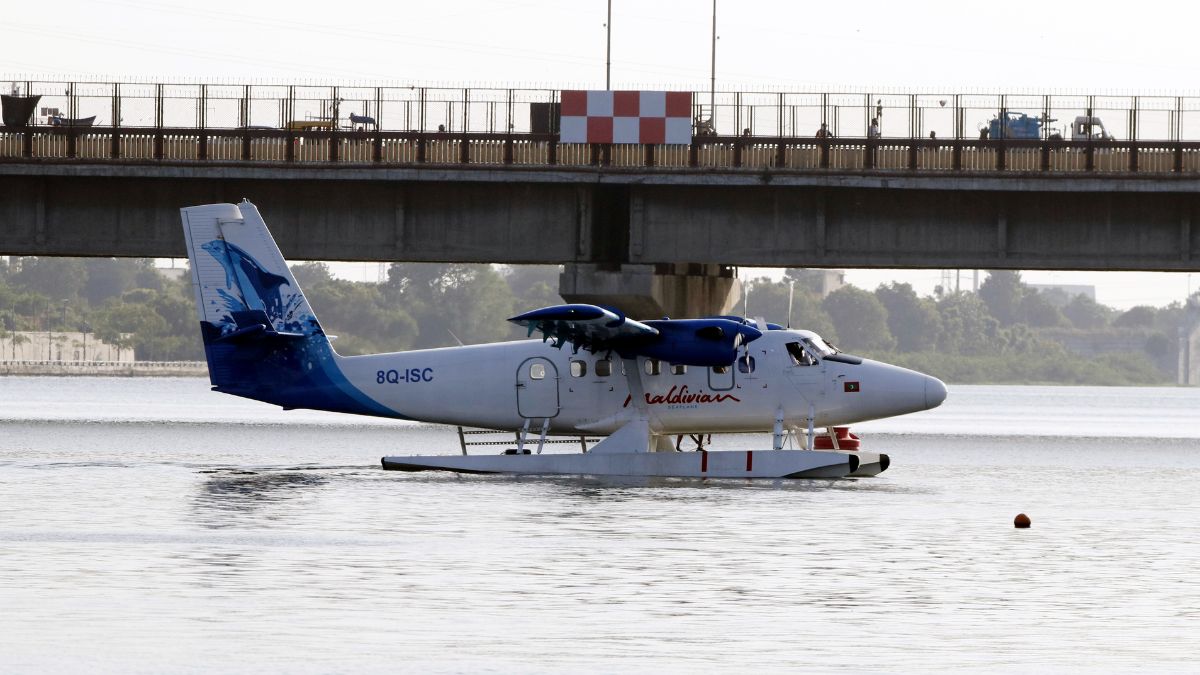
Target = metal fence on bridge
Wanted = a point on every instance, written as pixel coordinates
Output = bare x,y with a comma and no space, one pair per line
270,123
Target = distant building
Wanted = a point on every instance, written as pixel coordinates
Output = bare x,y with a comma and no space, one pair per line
55,346
831,280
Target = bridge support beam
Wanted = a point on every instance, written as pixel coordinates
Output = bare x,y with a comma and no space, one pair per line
680,291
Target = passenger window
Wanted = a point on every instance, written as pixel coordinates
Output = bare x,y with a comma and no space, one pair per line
604,368
746,364
720,370
537,371
799,356
578,368
679,369
653,367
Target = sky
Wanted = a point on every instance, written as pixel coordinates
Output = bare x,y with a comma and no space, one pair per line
763,45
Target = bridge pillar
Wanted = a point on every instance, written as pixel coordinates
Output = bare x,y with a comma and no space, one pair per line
680,291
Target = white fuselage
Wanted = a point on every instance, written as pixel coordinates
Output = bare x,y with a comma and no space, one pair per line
502,385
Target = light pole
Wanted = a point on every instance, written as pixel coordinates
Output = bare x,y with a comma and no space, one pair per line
608,49
712,89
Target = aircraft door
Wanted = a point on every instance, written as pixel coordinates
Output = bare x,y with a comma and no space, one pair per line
805,372
537,388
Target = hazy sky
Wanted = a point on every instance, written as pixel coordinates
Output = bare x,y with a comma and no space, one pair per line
1097,47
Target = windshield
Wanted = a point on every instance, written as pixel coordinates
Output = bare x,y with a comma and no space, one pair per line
819,346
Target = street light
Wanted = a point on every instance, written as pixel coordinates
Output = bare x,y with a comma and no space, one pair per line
712,89
608,49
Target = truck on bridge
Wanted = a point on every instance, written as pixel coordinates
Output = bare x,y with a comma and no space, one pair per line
1018,125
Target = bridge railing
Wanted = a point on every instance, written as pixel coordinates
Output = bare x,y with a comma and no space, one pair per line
915,114
727,153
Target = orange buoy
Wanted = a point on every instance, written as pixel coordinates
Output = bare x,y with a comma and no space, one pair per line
1022,521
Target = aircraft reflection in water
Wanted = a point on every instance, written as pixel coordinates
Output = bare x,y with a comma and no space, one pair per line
595,372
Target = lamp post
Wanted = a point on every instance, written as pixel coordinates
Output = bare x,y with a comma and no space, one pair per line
712,89
608,49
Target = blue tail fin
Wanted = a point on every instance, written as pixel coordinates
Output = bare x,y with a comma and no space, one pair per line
261,338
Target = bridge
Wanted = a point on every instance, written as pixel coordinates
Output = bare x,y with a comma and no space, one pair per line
481,175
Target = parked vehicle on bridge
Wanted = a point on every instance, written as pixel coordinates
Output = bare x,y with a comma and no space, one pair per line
1018,125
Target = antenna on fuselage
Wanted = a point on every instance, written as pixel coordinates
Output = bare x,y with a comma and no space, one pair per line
791,295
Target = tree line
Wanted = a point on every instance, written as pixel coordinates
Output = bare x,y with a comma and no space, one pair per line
1007,332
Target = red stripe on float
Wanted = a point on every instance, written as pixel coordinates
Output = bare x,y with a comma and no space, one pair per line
703,462
749,460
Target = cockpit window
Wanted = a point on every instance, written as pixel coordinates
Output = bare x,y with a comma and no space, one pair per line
800,357
820,346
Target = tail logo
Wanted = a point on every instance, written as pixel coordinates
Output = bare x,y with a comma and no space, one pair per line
259,288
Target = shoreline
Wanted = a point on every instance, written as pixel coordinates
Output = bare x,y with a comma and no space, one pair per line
105,369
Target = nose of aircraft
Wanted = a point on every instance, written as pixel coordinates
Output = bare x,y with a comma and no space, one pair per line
935,392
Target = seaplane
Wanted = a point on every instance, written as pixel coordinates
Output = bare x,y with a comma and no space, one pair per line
635,387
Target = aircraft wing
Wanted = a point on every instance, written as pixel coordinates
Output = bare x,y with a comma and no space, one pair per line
697,342
585,326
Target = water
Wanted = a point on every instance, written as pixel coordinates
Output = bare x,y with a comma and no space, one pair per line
148,525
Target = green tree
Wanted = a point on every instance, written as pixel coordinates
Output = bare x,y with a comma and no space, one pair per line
533,286
110,277
967,327
359,314
1084,312
914,321
470,302
1002,292
1136,317
860,319
55,278
1036,310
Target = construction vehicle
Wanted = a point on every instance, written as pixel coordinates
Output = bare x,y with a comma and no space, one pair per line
1018,125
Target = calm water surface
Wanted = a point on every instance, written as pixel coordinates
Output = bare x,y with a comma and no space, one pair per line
148,525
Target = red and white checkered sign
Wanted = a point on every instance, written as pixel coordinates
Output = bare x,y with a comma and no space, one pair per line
650,117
